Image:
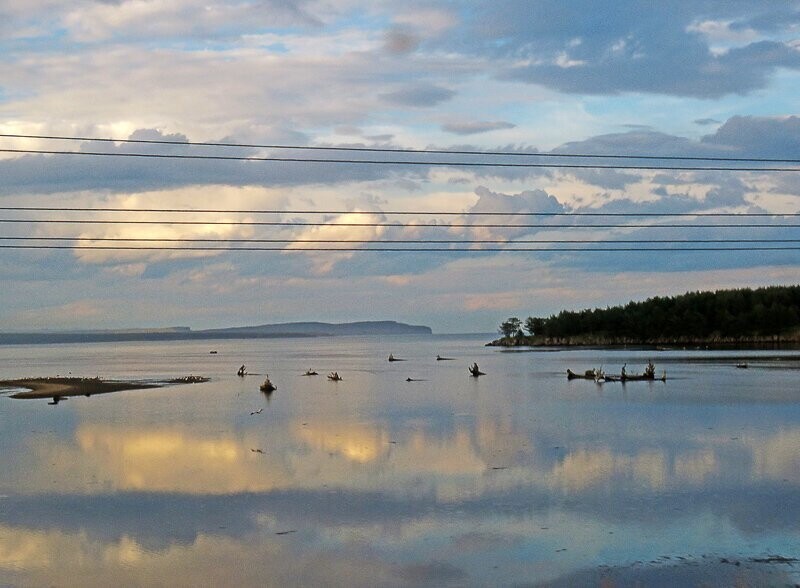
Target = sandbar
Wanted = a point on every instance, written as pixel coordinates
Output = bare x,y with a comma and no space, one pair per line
65,387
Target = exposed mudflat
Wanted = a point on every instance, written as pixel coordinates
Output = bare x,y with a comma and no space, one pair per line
64,387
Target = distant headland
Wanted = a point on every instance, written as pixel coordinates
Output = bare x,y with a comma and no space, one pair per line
297,329
763,316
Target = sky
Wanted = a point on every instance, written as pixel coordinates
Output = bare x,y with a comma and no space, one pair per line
683,78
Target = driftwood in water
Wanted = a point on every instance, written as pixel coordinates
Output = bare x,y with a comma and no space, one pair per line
475,371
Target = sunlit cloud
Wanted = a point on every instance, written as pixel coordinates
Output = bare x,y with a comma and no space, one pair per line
348,230
310,73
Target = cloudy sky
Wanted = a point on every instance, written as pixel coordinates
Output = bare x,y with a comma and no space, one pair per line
687,78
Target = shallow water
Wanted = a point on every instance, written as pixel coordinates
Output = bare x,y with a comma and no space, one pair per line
516,477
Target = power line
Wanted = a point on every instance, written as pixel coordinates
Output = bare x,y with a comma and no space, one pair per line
378,241
401,150
395,212
400,249
396,225
481,164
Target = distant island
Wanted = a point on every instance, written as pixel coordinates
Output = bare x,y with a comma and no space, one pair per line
763,316
298,329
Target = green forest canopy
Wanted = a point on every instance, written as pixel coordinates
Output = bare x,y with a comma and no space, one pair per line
725,313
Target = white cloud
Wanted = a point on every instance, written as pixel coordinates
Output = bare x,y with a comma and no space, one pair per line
428,20
171,18
163,235
721,36
324,262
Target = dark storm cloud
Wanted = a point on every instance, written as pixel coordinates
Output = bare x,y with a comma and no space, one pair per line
737,72
768,18
629,46
739,136
758,136
639,142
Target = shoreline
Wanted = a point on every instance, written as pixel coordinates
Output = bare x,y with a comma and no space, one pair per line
754,342
58,387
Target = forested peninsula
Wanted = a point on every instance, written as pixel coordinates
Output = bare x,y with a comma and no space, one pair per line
744,316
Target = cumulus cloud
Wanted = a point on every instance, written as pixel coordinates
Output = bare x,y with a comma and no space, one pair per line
497,204
350,228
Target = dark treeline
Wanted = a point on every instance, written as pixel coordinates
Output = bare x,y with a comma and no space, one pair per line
696,315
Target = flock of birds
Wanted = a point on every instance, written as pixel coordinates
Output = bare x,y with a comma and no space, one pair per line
268,387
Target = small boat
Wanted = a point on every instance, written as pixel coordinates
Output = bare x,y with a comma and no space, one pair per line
268,386
393,358
440,358
742,365
212,352
310,373
242,371
334,377
475,371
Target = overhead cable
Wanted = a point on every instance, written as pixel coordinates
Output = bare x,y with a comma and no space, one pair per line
432,163
379,241
401,150
396,225
393,212
400,249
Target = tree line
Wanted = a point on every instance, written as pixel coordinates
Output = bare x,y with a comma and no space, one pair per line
745,312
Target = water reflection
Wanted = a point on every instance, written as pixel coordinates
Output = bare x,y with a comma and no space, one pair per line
355,442
470,459
74,559
778,456
488,482
180,459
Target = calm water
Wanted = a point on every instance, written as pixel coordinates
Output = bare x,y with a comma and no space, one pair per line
518,477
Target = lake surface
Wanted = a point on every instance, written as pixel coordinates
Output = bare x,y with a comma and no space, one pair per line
517,477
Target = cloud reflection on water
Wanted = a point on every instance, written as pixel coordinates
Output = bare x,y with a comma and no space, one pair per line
51,557
388,486
468,461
